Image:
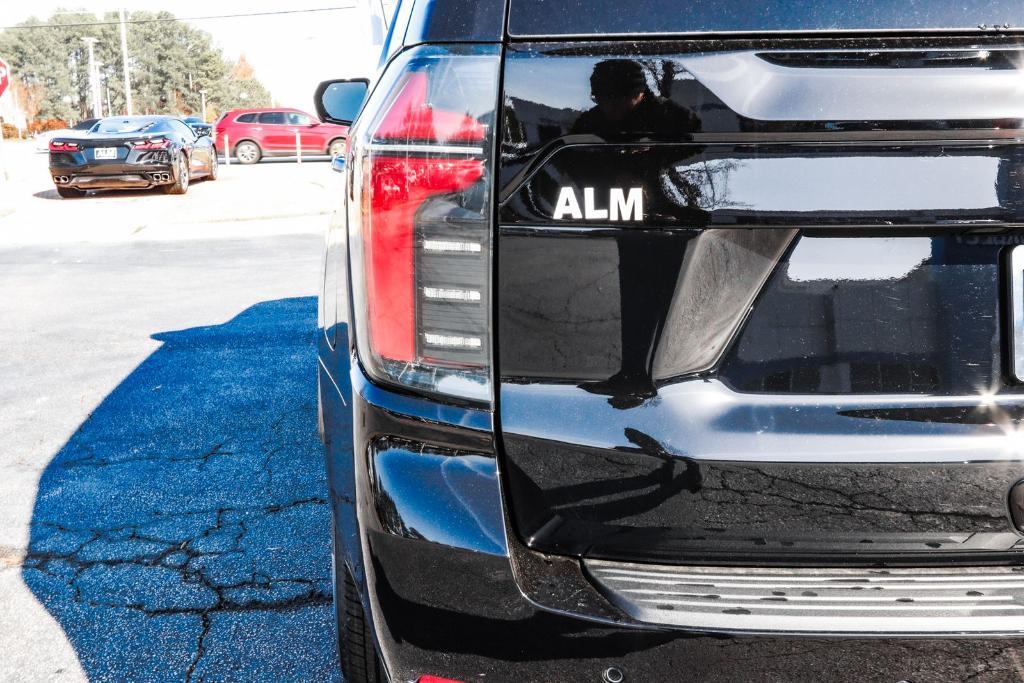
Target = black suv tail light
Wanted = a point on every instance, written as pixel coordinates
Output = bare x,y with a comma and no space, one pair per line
420,221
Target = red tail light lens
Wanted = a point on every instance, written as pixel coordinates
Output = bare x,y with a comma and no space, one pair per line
155,143
62,146
419,221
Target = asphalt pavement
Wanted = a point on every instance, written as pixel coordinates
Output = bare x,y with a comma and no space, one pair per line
163,505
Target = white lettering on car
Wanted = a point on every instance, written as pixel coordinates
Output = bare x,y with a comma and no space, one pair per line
623,205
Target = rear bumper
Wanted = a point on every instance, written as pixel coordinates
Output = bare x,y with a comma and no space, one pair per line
452,594
113,176
460,614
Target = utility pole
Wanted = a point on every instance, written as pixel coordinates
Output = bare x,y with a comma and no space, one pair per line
202,94
94,86
124,66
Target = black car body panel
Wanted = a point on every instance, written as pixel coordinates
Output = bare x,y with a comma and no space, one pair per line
730,378
796,357
132,166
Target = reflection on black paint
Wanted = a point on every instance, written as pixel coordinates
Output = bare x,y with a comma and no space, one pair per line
627,109
875,315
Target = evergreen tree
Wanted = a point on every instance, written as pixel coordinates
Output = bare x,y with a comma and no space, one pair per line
170,62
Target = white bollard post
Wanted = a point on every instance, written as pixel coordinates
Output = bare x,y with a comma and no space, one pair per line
3,156
227,151
298,147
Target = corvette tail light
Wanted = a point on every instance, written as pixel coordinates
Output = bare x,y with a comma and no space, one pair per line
420,221
154,143
61,146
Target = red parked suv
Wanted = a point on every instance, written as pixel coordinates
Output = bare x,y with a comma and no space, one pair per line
255,133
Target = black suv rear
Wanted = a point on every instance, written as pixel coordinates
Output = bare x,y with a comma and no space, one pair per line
685,341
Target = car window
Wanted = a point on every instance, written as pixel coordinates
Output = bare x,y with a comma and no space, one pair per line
129,125
183,128
85,125
272,117
246,118
298,119
591,17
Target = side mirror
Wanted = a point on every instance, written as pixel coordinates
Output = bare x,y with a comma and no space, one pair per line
340,101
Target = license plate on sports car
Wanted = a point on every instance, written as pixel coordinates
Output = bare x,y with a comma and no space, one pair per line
105,153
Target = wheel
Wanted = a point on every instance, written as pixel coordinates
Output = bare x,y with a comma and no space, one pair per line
70,192
180,184
359,660
214,166
248,152
336,148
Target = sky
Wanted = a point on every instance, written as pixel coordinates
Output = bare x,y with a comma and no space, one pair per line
291,53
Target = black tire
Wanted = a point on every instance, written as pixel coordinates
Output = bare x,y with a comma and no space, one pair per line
181,178
359,660
70,192
336,148
248,152
214,166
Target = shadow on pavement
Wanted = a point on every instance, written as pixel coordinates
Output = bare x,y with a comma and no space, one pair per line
183,532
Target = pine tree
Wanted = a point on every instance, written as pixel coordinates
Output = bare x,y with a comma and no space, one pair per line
169,63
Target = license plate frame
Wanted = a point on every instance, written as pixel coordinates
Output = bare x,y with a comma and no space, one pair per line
104,153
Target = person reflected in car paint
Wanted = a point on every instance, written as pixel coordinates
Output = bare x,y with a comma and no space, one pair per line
625,107
627,110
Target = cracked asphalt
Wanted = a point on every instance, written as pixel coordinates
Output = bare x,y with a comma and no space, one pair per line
163,503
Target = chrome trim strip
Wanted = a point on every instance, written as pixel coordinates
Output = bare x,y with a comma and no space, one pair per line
1017,311
828,601
761,90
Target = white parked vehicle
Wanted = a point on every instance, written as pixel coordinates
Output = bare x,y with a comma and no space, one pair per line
43,139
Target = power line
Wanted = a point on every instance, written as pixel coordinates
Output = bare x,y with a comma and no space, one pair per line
161,20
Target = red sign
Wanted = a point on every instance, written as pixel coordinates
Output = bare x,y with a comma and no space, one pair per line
5,77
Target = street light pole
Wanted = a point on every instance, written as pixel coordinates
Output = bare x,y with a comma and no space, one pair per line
124,66
94,85
202,94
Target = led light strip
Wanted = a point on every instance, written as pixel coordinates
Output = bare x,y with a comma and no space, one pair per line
471,295
450,246
452,341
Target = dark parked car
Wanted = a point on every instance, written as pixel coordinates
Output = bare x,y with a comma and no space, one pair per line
198,125
132,152
680,341
256,133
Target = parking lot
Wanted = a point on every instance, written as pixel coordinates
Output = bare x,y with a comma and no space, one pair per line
163,508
